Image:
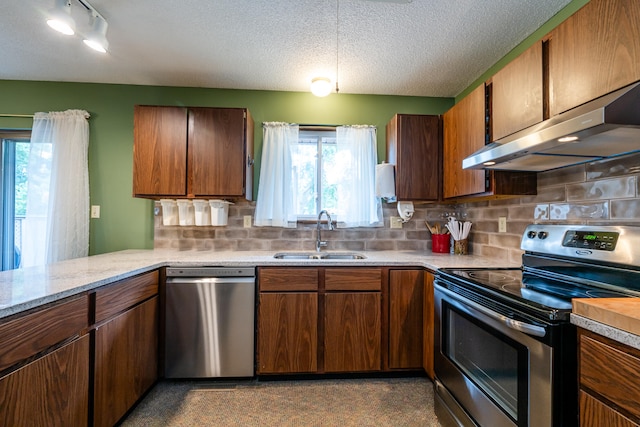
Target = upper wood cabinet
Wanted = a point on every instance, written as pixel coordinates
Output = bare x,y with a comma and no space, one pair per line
192,152
594,52
414,146
464,133
517,93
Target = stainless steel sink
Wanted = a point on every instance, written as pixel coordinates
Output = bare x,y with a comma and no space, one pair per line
318,255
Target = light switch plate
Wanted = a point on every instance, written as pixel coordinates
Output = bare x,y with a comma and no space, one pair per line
95,211
247,221
395,222
502,224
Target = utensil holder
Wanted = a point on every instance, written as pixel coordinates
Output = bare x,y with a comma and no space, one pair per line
440,243
461,247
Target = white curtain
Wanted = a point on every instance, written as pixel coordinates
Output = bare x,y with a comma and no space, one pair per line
57,217
275,205
357,201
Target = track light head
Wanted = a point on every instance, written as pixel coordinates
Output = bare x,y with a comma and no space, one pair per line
97,38
60,18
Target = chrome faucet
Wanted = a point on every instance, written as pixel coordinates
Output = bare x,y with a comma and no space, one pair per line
319,242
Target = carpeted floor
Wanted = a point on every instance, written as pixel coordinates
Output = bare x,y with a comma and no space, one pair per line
344,402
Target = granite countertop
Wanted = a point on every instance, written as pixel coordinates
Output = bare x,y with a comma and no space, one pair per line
615,318
27,288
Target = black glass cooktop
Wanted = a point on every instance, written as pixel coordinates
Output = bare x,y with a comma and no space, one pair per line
529,288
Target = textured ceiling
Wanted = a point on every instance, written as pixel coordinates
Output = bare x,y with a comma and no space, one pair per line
421,48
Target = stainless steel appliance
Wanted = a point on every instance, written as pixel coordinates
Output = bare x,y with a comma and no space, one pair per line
210,325
608,126
505,347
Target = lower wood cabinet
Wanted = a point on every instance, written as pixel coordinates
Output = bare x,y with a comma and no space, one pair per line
344,319
352,332
126,355
126,345
317,320
609,382
44,365
51,391
288,332
406,288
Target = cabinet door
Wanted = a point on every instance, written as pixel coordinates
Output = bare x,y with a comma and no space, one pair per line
464,133
126,361
159,151
594,413
594,52
287,332
352,332
414,147
516,93
51,391
428,325
216,152
406,289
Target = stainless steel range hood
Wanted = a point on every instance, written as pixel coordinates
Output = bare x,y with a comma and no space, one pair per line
605,127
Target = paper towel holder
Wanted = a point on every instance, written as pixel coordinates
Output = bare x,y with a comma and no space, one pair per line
405,210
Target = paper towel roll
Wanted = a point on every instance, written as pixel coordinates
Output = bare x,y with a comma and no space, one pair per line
385,180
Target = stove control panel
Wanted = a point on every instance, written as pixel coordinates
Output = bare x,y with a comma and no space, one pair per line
594,240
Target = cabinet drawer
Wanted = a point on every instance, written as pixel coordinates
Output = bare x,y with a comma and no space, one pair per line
35,332
353,279
595,413
610,372
113,299
287,279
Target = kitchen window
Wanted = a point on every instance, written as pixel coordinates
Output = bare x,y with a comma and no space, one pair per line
315,173
306,169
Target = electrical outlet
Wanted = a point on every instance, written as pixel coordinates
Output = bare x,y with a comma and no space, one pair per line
95,211
395,222
502,224
247,221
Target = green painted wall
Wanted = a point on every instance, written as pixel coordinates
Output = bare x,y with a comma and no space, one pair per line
127,222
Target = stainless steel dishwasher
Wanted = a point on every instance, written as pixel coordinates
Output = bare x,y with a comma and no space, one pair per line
209,326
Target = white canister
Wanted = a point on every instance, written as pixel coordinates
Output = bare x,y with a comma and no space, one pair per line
169,212
219,211
186,212
203,212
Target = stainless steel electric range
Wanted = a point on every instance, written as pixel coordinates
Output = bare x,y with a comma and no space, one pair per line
505,348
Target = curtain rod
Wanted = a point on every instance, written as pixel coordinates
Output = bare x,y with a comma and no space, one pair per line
17,115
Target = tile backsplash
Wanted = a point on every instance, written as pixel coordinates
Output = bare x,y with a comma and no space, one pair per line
603,192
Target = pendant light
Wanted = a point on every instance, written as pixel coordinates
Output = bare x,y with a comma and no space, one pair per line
321,86
60,18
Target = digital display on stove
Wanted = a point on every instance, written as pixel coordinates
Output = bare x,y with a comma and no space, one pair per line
595,240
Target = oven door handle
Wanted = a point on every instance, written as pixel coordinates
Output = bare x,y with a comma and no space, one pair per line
517,325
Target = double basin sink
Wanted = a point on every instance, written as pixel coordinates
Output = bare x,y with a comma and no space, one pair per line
318,255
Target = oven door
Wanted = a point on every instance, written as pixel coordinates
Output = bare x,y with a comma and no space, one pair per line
489,370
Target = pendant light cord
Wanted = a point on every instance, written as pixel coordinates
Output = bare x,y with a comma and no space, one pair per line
337,41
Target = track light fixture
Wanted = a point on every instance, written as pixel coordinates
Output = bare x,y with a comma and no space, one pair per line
97,38
60,20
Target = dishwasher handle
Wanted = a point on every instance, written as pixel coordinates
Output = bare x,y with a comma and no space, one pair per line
192,280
